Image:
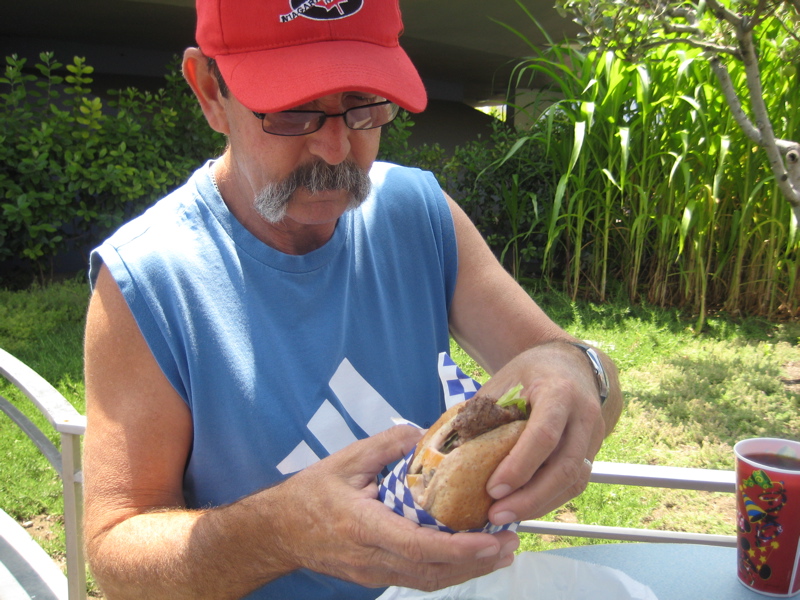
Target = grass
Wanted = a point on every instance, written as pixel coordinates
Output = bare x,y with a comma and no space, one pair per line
688,397
43,327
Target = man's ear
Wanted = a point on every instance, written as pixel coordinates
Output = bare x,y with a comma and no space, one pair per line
205,86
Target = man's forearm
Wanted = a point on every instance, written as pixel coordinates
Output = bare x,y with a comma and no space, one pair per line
219,553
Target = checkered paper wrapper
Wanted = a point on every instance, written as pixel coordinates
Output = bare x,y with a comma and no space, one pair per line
393,491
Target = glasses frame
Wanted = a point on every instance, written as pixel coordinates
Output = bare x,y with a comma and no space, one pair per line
323,117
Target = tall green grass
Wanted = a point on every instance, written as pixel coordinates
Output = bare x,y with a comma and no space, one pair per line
657,187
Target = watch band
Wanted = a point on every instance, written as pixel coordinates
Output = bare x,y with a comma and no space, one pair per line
597,366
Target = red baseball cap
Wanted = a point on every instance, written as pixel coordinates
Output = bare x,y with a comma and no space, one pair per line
278,54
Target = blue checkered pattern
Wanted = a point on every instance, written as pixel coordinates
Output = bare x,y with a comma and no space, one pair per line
396,495
457,386
393,491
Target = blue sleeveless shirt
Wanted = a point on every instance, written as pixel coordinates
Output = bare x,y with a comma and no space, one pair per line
285,359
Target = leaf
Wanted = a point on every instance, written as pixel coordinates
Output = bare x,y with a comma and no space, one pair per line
577,144
512,398
686,222
611,178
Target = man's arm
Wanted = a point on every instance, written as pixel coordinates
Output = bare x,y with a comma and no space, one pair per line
143,542
500,326
137,442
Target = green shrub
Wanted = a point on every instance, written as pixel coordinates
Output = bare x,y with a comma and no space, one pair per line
507,199
73,166
396,148
506,188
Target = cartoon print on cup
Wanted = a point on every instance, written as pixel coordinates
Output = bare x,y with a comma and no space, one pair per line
759,523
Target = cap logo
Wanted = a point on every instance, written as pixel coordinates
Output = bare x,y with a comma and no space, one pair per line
322,10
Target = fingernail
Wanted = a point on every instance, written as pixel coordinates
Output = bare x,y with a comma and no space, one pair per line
487,552
503,563
504,517
510,547
500,491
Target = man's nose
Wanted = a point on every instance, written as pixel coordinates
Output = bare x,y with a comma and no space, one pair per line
332,142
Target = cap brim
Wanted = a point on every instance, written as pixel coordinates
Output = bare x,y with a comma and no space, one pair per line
280,79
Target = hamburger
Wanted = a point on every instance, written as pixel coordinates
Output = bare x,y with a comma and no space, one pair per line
452,463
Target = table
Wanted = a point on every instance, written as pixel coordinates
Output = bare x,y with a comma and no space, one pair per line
672,571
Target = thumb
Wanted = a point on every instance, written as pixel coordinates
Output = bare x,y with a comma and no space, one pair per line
405,437
388,446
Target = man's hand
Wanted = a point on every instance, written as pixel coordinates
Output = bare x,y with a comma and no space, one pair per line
337,526
508,334
547,467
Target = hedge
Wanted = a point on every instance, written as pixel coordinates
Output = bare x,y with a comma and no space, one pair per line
74,166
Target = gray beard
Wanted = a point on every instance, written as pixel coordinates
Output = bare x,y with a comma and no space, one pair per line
273,199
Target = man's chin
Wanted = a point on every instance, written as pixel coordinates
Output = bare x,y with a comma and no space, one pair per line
313,209
343,198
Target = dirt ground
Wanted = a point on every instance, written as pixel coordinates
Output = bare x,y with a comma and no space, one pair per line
792,379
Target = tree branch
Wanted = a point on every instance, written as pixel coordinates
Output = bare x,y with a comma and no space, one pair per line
735,105
761,10
732,98
724,14
671,22
686,29
790,31
706,46
793,167
786,183
684,13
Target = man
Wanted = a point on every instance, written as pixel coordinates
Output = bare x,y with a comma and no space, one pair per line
250,338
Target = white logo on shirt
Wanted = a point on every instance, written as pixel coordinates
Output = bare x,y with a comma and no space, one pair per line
371,412
362,403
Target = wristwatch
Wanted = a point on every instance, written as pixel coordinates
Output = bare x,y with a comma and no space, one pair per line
597,367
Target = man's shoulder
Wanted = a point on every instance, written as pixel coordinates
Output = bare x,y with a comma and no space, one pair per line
392,179
381,169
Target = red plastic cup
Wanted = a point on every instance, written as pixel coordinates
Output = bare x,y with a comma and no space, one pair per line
768,515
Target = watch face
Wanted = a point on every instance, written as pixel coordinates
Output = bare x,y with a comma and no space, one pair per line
599,371
602,378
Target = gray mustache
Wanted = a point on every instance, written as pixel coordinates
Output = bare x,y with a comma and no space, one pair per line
319,176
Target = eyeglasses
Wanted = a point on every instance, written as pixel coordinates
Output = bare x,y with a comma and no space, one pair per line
303,122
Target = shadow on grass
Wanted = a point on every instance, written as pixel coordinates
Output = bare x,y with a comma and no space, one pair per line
726,397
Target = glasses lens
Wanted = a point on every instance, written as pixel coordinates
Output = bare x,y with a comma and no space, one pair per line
303,122
371,115
292,122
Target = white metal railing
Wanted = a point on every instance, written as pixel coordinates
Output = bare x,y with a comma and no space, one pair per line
70,424
708,480
67,462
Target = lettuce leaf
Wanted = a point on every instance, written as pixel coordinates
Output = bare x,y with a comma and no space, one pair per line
512,397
